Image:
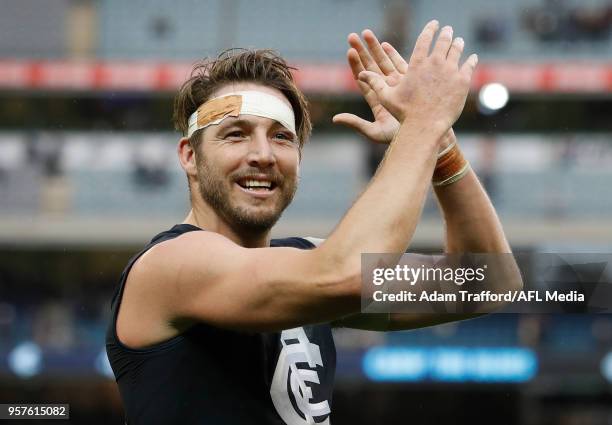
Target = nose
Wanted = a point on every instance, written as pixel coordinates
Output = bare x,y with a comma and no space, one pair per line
261,154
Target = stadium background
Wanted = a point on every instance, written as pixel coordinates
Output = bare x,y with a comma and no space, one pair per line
88,173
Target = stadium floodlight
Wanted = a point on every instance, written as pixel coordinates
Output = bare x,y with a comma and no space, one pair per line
25,360
492,97
606,366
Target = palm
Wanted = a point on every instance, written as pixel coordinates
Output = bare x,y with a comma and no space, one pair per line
384,126
375,59
385,61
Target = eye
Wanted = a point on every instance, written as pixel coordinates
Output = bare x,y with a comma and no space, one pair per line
284,136
236,134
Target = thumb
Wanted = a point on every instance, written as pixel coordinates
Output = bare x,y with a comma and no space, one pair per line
354,122
375,81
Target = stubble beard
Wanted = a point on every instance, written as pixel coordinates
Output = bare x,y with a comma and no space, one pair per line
215,190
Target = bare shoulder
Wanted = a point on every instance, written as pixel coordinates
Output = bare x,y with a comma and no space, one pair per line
204,277
165,259
145,314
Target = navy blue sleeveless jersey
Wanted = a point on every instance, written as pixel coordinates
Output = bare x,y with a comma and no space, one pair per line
212,376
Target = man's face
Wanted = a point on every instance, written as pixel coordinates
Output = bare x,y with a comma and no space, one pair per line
248,166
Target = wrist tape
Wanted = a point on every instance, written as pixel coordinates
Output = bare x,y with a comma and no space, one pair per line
450,167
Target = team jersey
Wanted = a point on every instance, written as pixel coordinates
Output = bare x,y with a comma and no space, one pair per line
212,376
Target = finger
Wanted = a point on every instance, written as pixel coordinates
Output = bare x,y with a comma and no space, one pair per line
356,67
377,52
354,62
445,38
366,60
423,43
354,122
454,53
374,80
398,61
469,65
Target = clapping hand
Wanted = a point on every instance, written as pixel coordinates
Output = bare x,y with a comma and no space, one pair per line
395,89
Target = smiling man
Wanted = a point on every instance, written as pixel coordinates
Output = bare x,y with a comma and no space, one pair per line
246,163
214,322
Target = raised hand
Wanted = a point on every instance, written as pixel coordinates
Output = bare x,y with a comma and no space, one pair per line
387,63
433,87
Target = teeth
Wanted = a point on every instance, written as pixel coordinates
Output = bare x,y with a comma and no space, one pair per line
257,183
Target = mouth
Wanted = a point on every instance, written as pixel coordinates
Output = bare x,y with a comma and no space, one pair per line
260,187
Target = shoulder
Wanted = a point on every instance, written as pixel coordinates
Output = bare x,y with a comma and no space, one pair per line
151,282
176,254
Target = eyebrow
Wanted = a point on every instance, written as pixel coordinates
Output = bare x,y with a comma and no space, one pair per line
241,122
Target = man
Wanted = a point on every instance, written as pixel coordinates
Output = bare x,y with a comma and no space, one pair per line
213,322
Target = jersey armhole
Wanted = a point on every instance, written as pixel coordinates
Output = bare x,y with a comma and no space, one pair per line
115,315
315,241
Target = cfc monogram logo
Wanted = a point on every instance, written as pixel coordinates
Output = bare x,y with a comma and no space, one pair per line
288,378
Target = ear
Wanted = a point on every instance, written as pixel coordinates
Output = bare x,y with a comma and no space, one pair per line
187,158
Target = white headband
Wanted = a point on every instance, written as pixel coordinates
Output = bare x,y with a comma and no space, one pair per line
241,103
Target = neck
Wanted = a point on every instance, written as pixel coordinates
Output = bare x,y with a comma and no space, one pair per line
204,217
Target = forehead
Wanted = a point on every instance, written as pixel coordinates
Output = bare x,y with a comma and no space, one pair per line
245,121
249,86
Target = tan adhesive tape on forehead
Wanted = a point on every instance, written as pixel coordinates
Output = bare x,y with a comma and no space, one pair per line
242,103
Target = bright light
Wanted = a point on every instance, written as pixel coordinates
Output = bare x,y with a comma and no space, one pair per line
25,360
493,97
395,364
606,367
450,364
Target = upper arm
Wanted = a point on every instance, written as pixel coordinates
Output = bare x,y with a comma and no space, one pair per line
204,276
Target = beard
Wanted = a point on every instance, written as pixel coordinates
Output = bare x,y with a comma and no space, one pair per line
216,190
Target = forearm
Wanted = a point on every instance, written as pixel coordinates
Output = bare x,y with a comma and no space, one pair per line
385,216
472,226
471,222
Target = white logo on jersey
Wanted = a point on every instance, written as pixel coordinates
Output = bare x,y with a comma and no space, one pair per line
302,351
